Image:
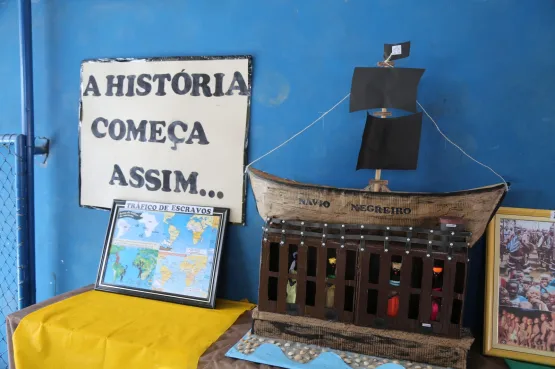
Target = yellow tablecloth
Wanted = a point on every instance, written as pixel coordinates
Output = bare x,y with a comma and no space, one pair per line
100,330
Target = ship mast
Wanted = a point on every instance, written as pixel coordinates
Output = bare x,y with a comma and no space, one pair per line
377,184
388,142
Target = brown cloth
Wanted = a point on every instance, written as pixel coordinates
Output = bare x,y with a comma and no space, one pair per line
214,357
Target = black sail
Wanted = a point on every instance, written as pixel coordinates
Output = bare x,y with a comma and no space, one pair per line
395,88
390,143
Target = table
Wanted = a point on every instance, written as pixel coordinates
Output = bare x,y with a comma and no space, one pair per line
214,357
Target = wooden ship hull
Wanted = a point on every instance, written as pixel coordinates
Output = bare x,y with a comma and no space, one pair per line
285,199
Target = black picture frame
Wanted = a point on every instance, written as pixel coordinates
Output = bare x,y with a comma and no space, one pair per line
209,301
248,57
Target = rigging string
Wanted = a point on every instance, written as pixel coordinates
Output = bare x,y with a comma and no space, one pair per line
460,149
298,133
345,98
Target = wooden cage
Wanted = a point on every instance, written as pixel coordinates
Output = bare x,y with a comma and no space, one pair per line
302,263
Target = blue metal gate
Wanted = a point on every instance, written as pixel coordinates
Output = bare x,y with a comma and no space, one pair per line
15,275
17,217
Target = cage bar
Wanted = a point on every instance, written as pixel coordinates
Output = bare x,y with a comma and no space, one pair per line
363,299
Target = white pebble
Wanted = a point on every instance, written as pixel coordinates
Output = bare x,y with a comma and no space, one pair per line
357,360
347,361
290,353
287,344
302,352
311,352
297,357
395,361
261,339
366,363
278,344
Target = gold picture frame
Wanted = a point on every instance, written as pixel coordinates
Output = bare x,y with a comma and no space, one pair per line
528,256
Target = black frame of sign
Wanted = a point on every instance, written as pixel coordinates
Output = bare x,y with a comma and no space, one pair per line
208,302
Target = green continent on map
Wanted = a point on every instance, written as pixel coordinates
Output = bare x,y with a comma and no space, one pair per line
119,269
192,265
145,262
115,249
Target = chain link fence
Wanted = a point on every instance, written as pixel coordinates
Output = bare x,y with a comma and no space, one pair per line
11,179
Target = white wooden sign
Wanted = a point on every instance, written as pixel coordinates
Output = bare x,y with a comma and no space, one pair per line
170,130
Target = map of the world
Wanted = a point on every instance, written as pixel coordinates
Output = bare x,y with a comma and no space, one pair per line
166,252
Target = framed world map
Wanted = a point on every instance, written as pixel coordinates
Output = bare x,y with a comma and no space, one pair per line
167,252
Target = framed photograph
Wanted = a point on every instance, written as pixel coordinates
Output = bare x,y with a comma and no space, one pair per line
520,289
168,252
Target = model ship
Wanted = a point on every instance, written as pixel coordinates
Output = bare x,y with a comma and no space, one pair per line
347,268
387,143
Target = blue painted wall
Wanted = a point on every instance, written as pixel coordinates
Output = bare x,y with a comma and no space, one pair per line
490,83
